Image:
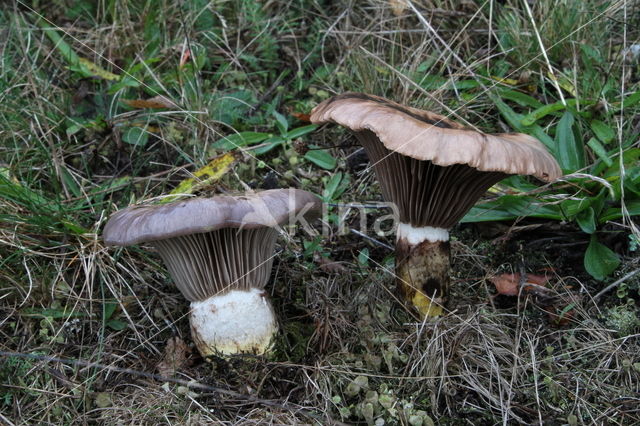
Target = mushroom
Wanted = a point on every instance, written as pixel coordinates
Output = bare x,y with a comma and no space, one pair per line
433,170
219,252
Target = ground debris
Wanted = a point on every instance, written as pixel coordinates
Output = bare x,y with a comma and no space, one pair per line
176,356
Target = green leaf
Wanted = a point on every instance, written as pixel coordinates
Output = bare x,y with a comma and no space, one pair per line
631,100
571,208
108,308
135,136
545,110
600,151
570,151
363,257
55,313
510,207
281,122
268,144
321,158
332,185
587,220
541,112
116,325
70,182
301,131
603,132
599,260
520,98
237,140
613,213
514,119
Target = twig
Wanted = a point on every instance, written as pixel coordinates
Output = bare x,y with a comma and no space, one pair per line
615,284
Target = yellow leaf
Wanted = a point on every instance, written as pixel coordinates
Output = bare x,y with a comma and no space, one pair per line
564,83
507,81
208,174
98,71
511,82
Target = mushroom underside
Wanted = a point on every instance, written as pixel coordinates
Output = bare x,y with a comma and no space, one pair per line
426,194
430,199
211,263
223,274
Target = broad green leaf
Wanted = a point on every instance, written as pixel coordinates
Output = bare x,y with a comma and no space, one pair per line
511,207
631,100
268,144
600,151
603,132
586,219
520,98
570,151
281,123
135,136
613,213
332,185
116,324
108,308
321,158
527,206
55,313
363,257
571,208
545,110
301,131
70,182
600,260
487,213
514,119
237,140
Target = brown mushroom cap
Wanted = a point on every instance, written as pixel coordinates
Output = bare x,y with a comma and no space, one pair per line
423,135
145,223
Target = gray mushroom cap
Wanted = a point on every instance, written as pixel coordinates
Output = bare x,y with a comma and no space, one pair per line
146,223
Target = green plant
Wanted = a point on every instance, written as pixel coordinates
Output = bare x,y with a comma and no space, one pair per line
261,142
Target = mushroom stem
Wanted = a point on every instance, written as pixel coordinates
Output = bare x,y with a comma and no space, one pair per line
238,321
422,267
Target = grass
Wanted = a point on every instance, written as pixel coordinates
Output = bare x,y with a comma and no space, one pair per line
83,327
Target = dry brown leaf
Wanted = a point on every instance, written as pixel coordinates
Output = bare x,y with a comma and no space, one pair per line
155,102
175,357
185,58
508,284
329,266
302,116
398,6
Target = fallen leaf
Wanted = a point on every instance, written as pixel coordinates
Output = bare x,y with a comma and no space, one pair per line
175,357
329,266
155,102
508,284
185,57
302,116
97,70
208,174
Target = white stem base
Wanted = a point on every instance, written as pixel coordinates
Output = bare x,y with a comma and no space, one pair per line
415,236
237,322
